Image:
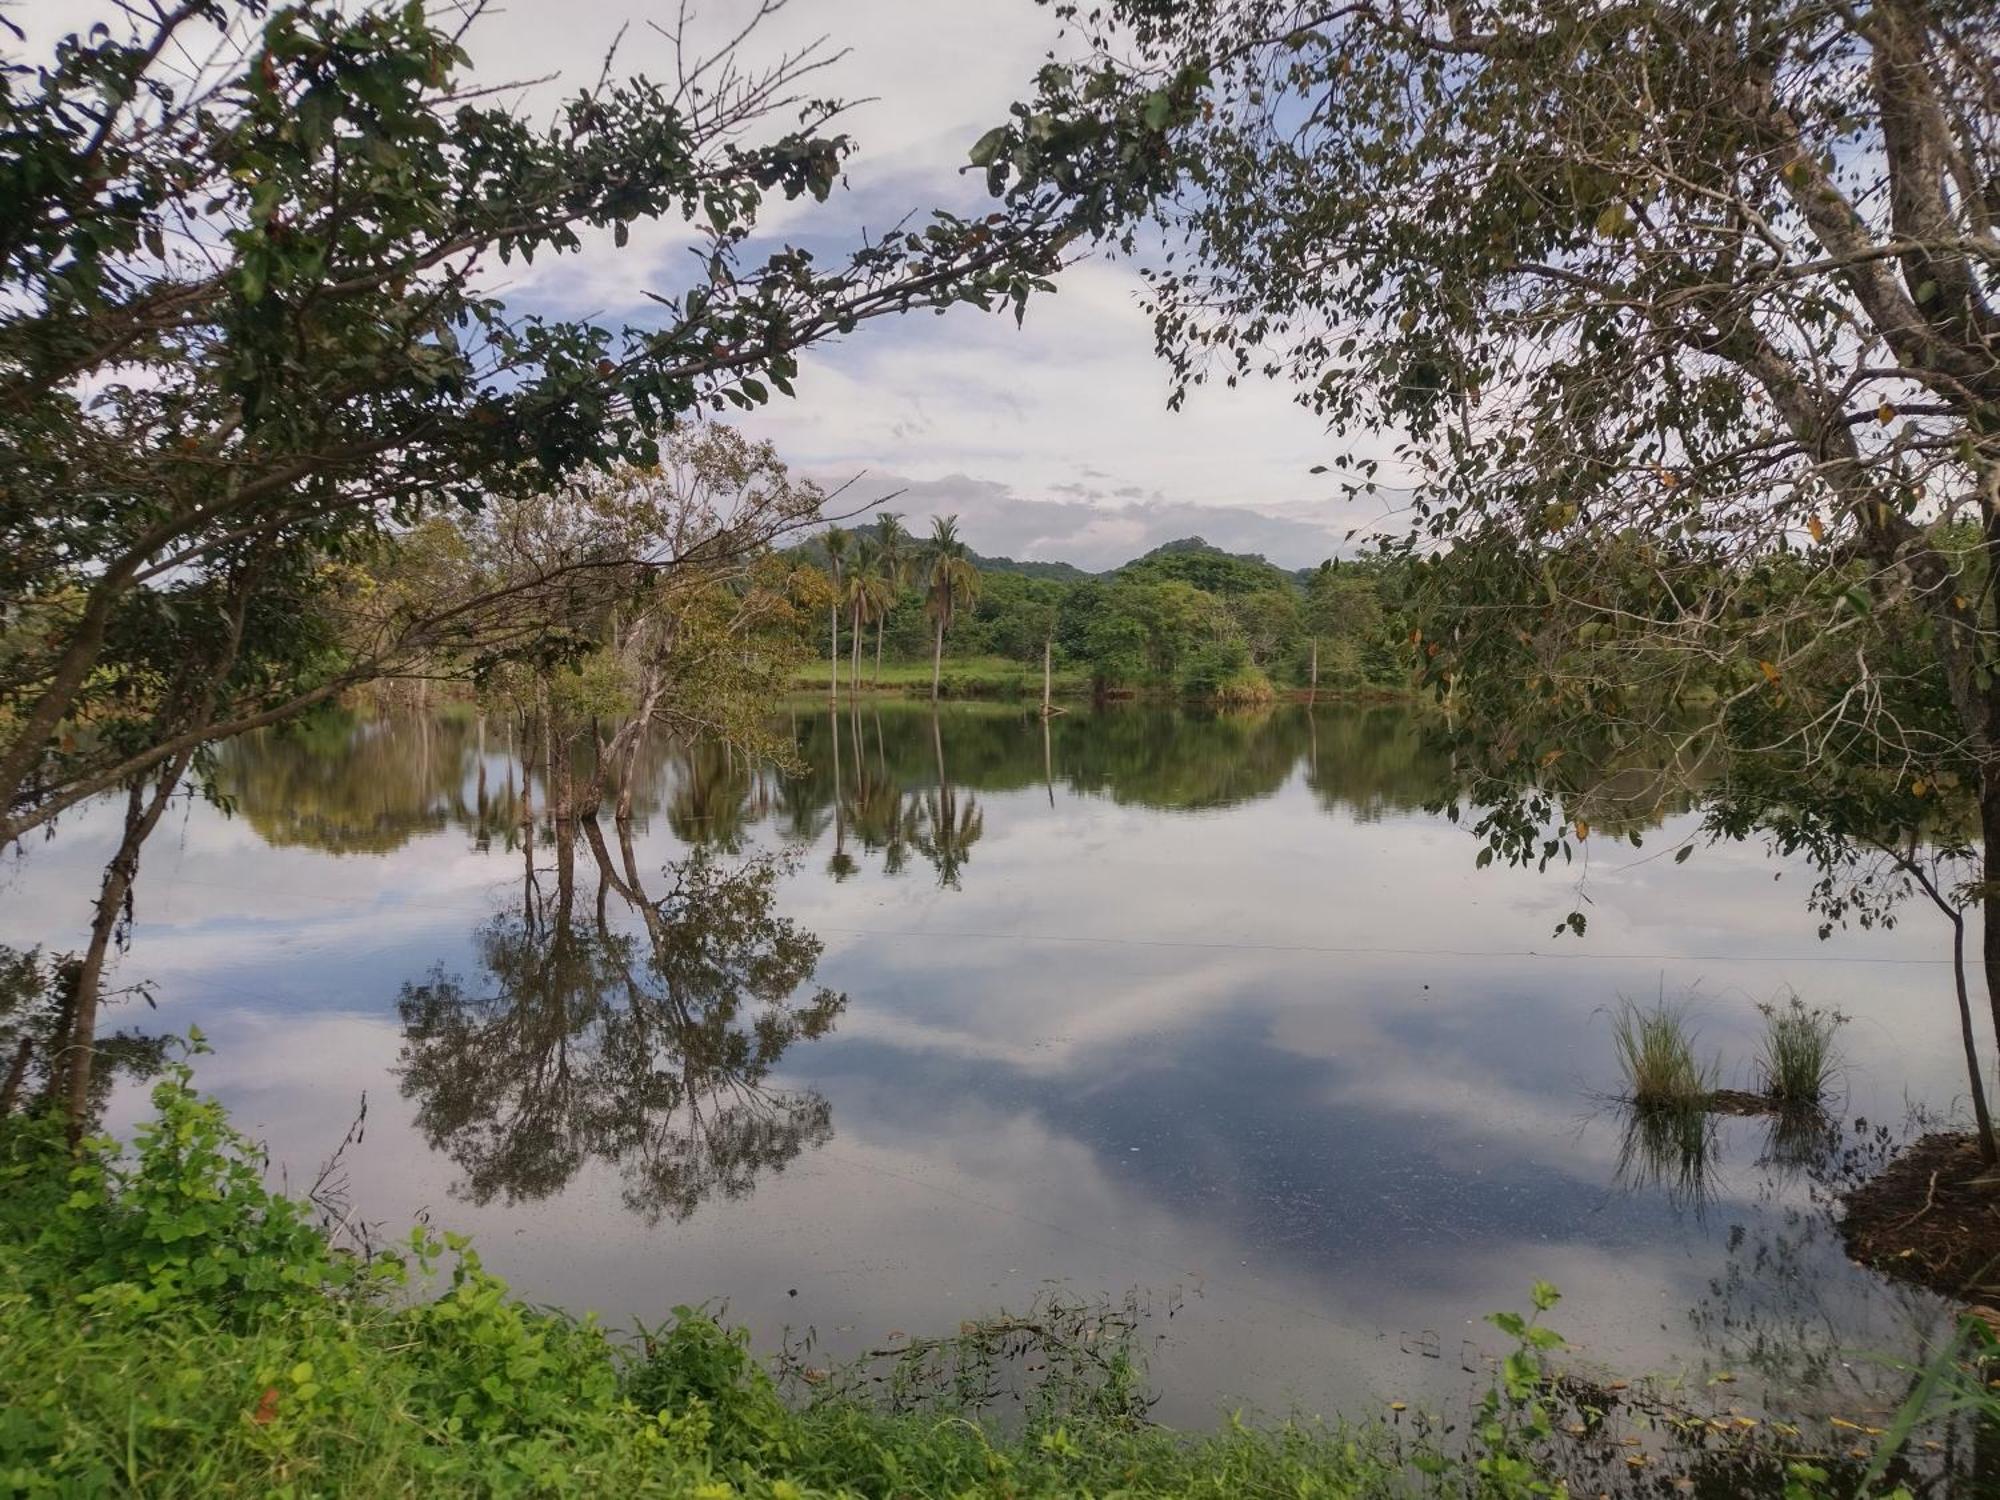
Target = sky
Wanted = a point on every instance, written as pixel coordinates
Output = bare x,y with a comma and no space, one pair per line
1050,441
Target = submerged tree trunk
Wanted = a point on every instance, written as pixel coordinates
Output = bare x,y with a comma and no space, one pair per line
527,770
144,802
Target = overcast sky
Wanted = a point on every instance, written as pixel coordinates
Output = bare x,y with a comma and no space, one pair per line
1053,440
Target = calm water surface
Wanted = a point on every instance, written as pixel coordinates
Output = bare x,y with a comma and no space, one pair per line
1203,1007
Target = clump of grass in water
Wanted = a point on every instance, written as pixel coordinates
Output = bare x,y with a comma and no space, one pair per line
1798,1060
1656,1052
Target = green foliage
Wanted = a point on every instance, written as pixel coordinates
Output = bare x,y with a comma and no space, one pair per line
243,244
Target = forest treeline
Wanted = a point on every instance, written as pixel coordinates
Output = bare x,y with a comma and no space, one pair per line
1186,618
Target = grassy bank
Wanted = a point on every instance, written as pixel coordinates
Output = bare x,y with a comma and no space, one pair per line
169,1326
1003,677
963,677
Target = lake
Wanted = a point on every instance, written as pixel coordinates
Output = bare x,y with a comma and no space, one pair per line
1205,1011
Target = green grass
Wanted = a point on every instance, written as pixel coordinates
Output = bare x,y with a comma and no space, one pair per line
963,677
1799,1059
1655,1047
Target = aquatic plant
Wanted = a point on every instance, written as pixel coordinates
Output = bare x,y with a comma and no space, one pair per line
1798,1059
1655,1047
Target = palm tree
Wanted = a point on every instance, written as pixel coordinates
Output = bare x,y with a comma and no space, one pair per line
868,595
893,548
836,541
950,581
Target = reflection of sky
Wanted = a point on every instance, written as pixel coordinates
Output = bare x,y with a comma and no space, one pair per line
1307,1071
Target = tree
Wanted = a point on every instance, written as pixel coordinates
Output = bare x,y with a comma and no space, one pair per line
950,582
893,546
1344,608
245,341
835,543
244,327
1656,302
870,594
638,601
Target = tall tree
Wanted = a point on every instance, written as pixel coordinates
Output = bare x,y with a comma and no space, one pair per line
896,551
835,542
951,581
1683,319
869,597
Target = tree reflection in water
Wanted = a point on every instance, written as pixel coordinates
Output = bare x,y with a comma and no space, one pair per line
644,1043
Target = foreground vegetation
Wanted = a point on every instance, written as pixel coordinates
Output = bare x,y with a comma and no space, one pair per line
170,1326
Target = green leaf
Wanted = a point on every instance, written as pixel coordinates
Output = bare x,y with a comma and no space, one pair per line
986,150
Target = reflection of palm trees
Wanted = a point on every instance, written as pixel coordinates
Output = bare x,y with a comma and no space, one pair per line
883,818
841,864
945,830
714,798
648,1048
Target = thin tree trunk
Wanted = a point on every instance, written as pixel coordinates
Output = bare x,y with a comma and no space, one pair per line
1048,648
1989,1150
142,815
1048,762
854,663
527,771
880,625
1312,692
1989,903
833,650
937,659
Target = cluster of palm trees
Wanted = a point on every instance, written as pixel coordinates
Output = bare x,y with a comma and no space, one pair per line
870,570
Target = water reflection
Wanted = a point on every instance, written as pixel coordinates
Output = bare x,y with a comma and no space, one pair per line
1141,998
886,780
648,1046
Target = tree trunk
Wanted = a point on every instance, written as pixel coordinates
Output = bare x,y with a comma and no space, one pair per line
1989,901
880,625
142,815
527,771
937,659
1312,692
833,649
1989,1150
854,655
1048,647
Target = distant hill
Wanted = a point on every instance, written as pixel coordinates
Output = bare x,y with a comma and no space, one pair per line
1193,560
1061,572
1190,559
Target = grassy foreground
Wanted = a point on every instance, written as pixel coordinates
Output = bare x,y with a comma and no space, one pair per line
169,1326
